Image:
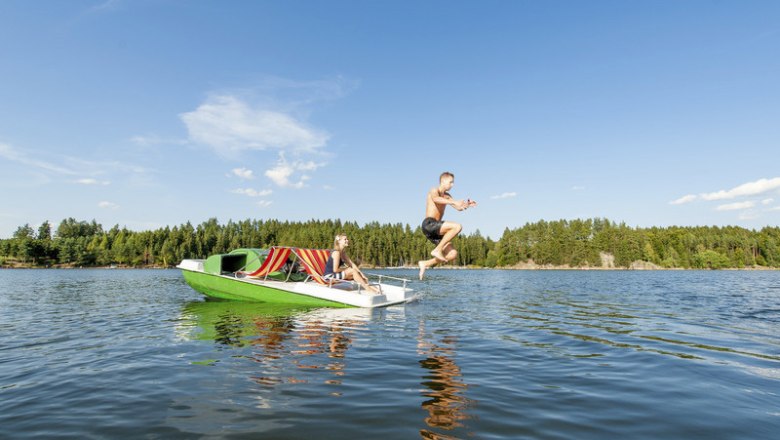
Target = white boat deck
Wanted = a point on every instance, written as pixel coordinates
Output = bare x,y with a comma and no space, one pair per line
390,294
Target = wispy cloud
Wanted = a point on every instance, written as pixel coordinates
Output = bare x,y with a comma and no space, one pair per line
578,188
506,195
152,140
252,192
736,206
684,199
91,181
230,125
70,166
108,205
282,174
243,173
10,153
107,5
288,93
264,203
760,186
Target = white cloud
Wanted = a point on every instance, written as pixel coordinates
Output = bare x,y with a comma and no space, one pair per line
230,126
736,206
243,173
264,203
252,192
505,195
108,205
746,189
282,173
776,208
684,199
768,201
307,166
90,181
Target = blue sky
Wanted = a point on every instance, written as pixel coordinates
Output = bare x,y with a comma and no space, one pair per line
153,113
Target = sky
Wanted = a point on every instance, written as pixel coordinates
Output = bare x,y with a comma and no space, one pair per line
146,114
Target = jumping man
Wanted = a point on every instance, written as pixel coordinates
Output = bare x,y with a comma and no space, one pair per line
437,230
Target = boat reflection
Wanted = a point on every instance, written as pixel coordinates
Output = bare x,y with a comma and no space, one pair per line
444,387
235,323
289,342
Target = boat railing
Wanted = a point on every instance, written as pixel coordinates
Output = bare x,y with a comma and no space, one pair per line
380,276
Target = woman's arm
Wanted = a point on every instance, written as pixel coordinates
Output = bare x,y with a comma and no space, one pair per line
348,261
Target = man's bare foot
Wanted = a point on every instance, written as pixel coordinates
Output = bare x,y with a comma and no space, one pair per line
422,266
438,255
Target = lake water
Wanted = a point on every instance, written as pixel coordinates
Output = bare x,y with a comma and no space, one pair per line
483,354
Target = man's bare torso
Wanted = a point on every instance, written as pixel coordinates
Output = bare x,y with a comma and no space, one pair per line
433,209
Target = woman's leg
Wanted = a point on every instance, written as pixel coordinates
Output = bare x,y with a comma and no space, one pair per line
352,274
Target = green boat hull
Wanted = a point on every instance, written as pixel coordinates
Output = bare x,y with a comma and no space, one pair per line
222,287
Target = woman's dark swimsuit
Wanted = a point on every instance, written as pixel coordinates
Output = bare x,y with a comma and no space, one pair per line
432,229
329,270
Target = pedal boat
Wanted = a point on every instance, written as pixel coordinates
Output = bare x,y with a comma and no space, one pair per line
270,276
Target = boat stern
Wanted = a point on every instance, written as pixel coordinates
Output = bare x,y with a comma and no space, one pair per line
193,265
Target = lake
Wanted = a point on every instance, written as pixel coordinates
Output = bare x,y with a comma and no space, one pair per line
485,354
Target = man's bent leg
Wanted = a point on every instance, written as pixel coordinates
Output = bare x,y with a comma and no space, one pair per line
450,253
449,230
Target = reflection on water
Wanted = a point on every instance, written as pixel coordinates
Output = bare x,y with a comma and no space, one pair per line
290,345
278,335
444,386
235,323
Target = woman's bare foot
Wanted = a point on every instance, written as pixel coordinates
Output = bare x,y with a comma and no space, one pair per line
438,255
422,266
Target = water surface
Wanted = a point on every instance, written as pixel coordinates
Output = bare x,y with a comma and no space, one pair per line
483,354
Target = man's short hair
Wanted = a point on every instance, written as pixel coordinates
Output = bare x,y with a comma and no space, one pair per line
446,174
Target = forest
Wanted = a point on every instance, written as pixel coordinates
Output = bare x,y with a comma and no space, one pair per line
580,243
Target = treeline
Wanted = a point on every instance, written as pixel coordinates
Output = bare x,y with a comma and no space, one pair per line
572,243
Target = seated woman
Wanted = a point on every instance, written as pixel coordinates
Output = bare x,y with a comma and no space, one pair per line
340,267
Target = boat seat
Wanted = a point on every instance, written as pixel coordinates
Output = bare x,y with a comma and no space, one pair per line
274,261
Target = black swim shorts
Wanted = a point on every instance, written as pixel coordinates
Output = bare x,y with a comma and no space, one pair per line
431,228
